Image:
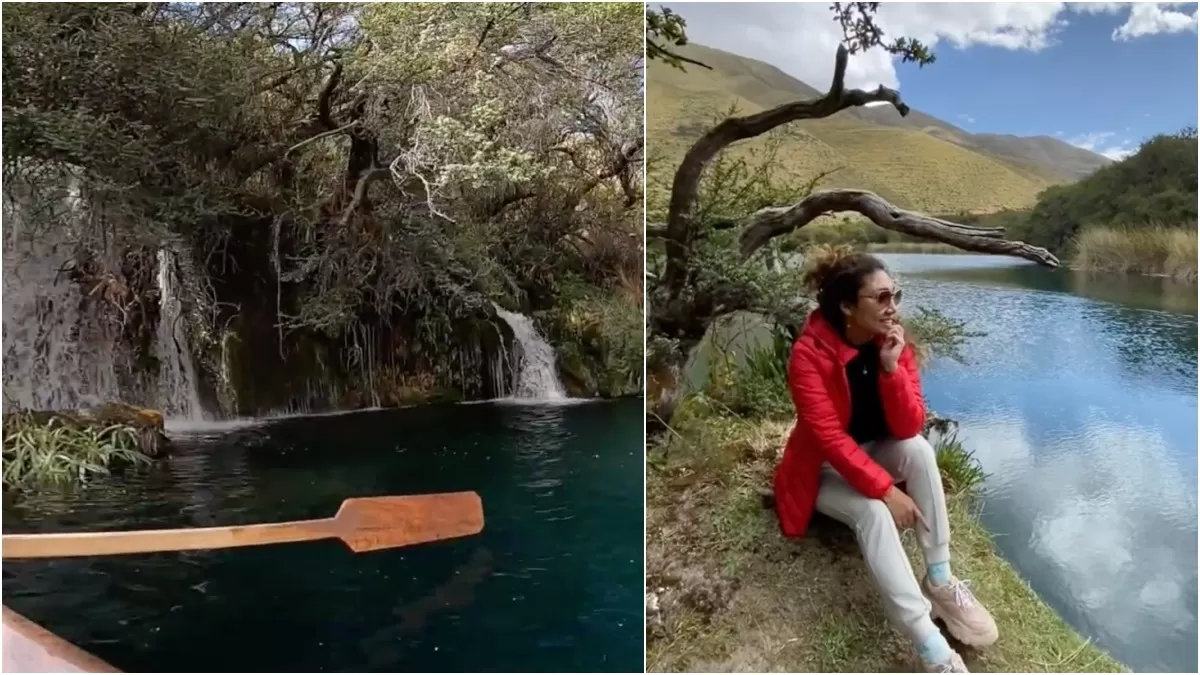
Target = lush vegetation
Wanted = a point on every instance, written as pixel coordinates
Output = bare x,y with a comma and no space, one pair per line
349,186
40,450
1154,186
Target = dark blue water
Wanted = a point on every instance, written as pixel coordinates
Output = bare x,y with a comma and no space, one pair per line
553,583
1081,404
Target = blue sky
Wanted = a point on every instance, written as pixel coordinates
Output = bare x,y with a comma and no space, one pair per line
1100,75
1086,87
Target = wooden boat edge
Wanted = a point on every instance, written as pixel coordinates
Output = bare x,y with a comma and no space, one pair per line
30,648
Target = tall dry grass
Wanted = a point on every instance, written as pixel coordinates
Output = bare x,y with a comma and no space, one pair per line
1156,250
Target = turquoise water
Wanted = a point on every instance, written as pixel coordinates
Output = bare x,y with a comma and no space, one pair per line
1081,404
553,583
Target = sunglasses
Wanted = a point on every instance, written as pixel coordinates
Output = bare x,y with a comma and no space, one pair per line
886,297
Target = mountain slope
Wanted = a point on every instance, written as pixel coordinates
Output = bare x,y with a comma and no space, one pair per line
917,161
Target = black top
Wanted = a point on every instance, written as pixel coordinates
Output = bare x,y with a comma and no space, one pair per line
867,422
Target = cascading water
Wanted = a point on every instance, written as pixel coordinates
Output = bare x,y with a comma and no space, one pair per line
537,375
60,351
177,381
56,355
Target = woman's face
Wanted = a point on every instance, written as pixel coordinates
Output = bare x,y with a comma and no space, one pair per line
875,312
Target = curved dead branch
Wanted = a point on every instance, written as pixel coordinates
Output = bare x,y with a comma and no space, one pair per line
681,228
768,223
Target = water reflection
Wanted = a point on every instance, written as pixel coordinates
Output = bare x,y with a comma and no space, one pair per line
1080,401
554,582
1100,517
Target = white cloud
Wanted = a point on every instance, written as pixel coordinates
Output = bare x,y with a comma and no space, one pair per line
1103,143
801,38
1154,18
967,118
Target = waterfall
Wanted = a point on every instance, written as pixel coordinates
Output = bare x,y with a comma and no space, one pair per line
56,354
177,383
537,374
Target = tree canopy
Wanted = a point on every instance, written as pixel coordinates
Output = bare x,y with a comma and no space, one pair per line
1155,186
403,157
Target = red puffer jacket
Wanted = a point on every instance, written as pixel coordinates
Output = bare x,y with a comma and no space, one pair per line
821,392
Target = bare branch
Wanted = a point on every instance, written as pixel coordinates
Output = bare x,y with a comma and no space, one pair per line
323,134
326,98
765,224
684,190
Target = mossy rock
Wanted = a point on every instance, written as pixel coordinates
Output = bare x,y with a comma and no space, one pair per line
148,423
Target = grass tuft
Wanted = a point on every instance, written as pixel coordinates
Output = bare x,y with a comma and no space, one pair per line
961,471
58,451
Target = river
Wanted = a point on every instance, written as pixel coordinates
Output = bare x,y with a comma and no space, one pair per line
553,583
1080,402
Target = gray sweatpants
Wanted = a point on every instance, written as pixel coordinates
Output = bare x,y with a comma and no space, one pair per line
913,462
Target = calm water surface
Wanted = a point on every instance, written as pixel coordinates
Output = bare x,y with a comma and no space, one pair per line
554,582
1080,401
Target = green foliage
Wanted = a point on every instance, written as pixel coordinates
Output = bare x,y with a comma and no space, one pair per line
391,160
59,451
666,29
733,187
961,471
933,334
861,33
1157,184
755,386
597,333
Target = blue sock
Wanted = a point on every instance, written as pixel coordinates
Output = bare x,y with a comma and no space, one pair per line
935,649
938,573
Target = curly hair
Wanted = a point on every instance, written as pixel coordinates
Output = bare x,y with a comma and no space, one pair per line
835,274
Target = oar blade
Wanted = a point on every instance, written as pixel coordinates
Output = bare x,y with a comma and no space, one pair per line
373,523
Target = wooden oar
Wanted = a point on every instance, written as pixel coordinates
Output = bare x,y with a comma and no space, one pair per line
365,524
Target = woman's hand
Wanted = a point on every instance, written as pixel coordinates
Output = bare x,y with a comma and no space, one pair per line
893,345
904,509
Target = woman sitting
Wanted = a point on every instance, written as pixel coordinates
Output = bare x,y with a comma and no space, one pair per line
860,414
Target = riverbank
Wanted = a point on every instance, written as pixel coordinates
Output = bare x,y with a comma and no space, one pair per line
915,247
1152,251
726,592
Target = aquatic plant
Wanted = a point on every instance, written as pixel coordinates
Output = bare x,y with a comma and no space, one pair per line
57,449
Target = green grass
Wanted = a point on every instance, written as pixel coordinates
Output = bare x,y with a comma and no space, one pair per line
1155,250
58,451
735,595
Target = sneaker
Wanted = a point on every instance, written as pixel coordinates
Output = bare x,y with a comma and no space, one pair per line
965,618
955,665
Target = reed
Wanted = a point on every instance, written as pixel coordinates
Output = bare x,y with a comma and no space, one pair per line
1155,250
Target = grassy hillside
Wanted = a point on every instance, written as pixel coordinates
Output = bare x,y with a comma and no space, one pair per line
918,162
